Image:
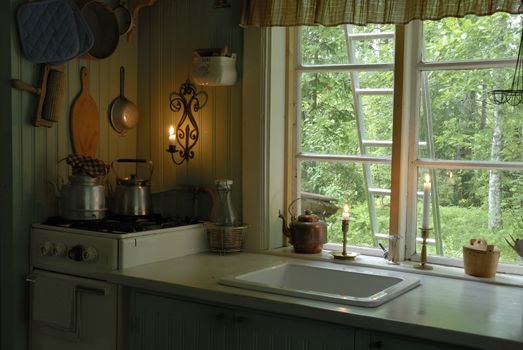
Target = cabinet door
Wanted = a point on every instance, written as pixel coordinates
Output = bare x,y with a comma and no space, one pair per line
167,324
368,340
274,332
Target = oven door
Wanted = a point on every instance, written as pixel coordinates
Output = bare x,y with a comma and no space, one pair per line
69,312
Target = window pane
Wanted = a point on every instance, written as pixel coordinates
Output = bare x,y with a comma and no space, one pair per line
323,45
466,125
377,110
345,183
475,203
373,51
328,121
472,37
376,80
328,124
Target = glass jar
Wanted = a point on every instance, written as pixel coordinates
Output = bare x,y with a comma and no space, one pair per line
225,214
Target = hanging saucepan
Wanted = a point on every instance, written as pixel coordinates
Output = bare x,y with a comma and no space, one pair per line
124,114
132,196
124,18
103,24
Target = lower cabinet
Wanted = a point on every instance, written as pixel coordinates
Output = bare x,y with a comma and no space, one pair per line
275,332
370,340
164,323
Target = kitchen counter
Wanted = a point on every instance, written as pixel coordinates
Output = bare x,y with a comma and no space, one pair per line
461,312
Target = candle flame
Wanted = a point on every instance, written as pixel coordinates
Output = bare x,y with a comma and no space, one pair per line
427,178
171,130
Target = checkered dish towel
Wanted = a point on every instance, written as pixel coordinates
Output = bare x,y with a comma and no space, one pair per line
87,165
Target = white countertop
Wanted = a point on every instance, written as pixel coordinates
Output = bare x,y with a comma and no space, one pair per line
462,312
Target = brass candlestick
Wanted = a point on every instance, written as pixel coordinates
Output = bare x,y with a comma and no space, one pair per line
344,254
423,261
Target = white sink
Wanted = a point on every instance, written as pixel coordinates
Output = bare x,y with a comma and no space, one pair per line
336,284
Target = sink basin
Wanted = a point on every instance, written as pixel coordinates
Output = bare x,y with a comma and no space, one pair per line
336,284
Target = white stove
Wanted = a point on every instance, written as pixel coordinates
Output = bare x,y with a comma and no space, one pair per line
87,253
72,306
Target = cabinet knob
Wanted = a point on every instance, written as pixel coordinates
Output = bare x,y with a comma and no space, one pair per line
378,344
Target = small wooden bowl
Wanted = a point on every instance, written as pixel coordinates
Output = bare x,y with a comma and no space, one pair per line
480,263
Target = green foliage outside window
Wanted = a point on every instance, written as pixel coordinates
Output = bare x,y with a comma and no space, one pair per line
463,128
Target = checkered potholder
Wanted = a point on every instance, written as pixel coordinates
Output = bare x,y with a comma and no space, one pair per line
52,31
87,165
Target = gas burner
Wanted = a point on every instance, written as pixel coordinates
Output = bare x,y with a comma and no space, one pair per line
122,224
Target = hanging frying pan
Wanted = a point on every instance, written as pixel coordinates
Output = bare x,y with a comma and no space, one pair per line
124,114
103,24
124,18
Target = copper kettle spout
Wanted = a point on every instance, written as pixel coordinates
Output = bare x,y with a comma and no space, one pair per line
284,228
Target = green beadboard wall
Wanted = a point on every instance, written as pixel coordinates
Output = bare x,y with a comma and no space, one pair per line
31,157
157,64
168,33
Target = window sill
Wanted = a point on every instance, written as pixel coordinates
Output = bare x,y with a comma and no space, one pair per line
404,266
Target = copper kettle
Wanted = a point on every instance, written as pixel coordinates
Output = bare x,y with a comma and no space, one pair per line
306,233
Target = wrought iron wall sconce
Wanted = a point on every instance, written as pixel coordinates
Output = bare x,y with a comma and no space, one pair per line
186,134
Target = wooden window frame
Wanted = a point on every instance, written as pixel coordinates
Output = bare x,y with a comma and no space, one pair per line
408,67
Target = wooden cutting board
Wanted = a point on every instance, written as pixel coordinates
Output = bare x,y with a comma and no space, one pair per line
85,120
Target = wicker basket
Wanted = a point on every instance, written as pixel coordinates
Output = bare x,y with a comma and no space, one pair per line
480,263
225,239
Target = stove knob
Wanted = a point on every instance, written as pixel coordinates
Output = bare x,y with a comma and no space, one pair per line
59,250
89,254
47,249
76,253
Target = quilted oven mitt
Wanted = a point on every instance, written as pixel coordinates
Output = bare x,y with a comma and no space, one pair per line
52,31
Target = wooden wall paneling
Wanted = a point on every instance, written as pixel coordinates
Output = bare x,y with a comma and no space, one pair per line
165,117
108,90
144,131
31,155
114,140
12,287
222,135
128,56
174,30
236,145
107,93
29,175
183,35
157,142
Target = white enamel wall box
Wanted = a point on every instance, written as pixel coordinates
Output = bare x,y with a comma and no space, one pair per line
215,70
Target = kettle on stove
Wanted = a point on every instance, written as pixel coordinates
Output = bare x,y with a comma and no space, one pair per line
132,196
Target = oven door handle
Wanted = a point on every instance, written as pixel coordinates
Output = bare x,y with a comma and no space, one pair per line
31,278
91,290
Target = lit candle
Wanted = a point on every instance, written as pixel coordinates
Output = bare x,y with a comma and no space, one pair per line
426,202
345,215
172,136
